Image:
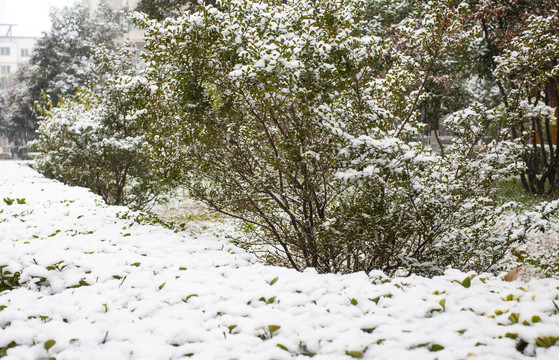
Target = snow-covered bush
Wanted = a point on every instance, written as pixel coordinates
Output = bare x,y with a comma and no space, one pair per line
289,117
62,61
92,140
528,71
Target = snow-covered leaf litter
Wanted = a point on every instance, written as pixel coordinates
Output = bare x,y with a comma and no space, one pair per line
101,288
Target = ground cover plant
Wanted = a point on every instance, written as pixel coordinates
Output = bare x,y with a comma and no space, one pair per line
91,283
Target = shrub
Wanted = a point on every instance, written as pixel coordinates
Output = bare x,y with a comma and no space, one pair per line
91,139
289,117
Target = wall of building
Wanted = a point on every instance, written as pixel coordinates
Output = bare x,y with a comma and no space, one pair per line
14,52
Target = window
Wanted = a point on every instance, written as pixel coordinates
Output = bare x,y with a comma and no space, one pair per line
5,51
24,52
4,69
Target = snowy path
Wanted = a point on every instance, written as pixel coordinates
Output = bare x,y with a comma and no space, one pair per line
102,288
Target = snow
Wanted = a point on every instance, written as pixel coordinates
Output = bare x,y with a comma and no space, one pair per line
104,287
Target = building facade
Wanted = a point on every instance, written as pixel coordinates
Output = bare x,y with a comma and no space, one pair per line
14,50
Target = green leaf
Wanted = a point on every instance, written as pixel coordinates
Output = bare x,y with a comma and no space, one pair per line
442,303
273,328
283,347
189,296
536,319
514,317
546,341
274,280
354,354
511,335
436,347
162,285
4,350
354,302
231,328
467,282
136,264
48,344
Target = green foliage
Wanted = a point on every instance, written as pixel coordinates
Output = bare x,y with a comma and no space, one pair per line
62,62
4,350
190,296
272,329
354,354
467,282
161,9
526,69
10,201
8,280
514,318
49,344
303,126
91,139
547,341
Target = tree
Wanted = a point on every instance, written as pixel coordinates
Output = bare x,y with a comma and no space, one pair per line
290,117
518,40
162,9
61,63
91,139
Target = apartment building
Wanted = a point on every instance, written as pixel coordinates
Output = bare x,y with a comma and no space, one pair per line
14,50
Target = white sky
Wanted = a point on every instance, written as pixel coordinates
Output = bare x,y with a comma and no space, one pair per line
31,16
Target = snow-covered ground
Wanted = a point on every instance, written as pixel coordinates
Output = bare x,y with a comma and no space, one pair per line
96,285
